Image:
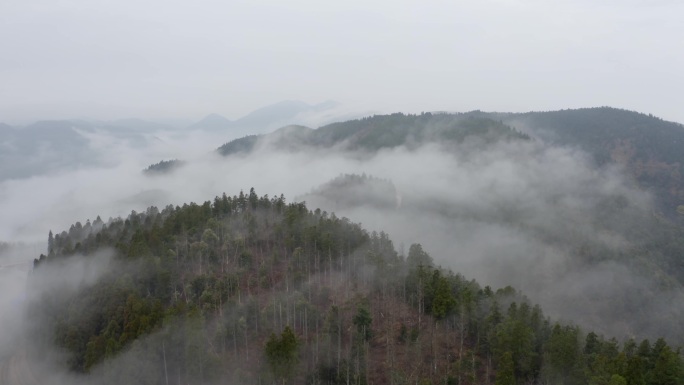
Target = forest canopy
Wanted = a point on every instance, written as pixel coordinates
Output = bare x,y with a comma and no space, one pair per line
253,289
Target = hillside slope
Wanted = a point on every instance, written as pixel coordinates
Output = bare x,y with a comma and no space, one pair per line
380,132
250,289
648,147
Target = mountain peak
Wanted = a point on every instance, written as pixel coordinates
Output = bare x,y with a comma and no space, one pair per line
212,122
267,118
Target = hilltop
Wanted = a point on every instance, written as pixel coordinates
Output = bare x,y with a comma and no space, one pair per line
252,289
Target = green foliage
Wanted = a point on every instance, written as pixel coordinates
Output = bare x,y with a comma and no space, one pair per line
385,131
281,354
352,190
514,335
198,289
668,369
506,373
647,146
418,257
617,379
443,301
563,360
163,167
362,320
238,146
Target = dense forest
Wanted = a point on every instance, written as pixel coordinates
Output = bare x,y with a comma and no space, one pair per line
377,132
642,148
352,190
252,289
648,147
163,167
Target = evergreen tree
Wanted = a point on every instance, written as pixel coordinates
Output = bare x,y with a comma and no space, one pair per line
506,371
281,353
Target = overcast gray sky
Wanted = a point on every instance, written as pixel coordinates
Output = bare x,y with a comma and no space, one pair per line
184,59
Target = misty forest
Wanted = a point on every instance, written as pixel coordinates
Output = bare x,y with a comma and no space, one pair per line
300,245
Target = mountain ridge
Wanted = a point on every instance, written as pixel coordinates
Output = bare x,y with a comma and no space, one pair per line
263,119
384,131
647,146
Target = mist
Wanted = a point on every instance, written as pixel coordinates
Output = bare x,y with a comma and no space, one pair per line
509,213
546,220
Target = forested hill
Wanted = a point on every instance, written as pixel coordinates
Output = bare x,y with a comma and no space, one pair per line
163,167
648,147
250,289
352,190
380,131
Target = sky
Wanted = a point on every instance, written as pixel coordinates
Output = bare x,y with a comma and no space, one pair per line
175,59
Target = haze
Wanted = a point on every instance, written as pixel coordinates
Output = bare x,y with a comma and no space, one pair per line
179,60
552,194
512,211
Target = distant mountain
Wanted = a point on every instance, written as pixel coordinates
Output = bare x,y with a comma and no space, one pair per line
57,132
651,149
381,131
212,122
43,147
56,145
136,126
279,114
265,119
163,167
352,191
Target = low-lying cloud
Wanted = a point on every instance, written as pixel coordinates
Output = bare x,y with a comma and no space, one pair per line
514,213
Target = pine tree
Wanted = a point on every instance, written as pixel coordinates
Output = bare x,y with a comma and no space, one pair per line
506,372
281,354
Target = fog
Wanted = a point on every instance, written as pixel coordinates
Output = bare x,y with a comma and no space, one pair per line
510,213
536,217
